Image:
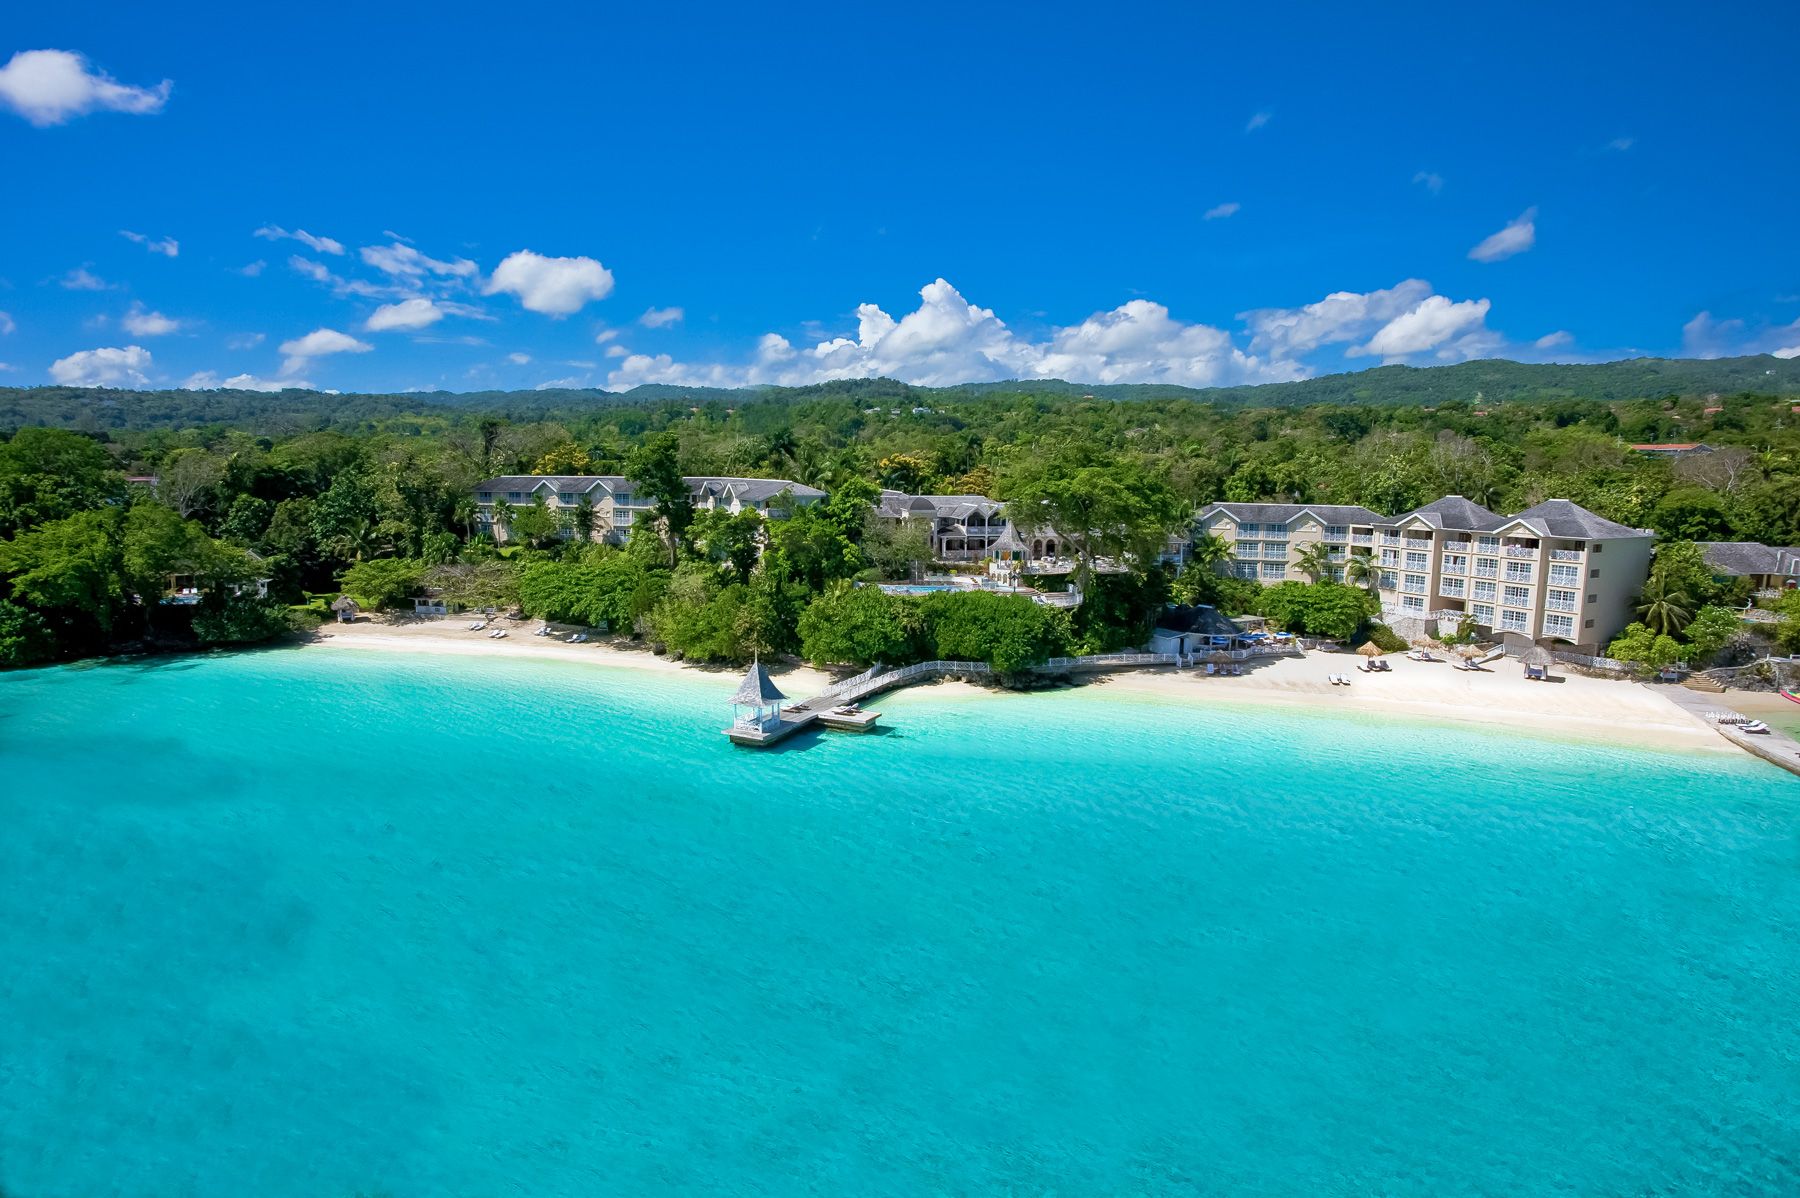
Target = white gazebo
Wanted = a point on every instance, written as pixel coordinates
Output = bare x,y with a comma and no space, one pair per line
756,707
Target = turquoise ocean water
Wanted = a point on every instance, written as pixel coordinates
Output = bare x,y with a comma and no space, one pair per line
313,923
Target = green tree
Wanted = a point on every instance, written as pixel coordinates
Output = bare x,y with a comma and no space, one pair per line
535,524
1710,629
1116,509
1010,632
49,474
734,541
1363,571
24,636
1643,646
1663,606
852,625
383,583
72,563
1314,560
810,548
655,469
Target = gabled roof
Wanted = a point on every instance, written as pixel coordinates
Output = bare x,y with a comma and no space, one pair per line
1738,558
1201,619
757,689
1283,513
557,482
752,490
1564,518
1452,512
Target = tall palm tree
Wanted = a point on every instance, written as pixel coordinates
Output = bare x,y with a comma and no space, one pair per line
1314,560
1361,570
1664,609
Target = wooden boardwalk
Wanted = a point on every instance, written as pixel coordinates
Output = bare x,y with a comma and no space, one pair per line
877,679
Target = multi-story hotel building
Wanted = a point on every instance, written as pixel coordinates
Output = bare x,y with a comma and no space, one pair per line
1268,538
617,505
1552,573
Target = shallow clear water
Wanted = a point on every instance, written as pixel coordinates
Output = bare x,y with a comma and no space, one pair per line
313,922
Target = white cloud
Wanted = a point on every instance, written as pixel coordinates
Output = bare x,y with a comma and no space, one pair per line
407,314
315,271
103,367
206,380
1621,144
6,323
948,340
1708,337
318,344
47,87
141,323
1340,317
617,351
519,359
1787,351
1435,321
251,269
550,384
400,259
1221,211
1433,181
660,318
166,246
1555,340
321,245
553,286
1258,120
1517,237
605,335
83,279
246,341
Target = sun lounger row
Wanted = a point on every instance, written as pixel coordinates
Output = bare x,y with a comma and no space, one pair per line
1742,722
1338,679
497,634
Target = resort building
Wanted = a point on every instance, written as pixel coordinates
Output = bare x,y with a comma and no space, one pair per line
1672,449
963,528
617,505
1267,539
1555,572
1768,567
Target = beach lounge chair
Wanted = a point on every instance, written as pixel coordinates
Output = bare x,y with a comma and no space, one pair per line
1756,726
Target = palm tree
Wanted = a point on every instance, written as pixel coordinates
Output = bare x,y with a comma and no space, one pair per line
1362,571
1210,551
1314,560
1664,609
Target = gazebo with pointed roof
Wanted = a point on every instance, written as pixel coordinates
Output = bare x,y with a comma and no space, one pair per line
757,703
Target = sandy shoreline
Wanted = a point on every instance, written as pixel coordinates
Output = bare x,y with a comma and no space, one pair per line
1573,708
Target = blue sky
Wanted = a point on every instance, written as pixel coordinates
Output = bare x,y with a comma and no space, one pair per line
1188,193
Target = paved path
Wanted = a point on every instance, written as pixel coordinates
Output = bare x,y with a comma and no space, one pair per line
1775,747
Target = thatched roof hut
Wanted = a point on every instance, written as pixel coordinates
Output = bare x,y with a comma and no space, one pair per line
1537,661
1369,649
1219,657
346,608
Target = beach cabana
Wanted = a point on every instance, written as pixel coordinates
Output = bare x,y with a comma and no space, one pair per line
346,609
1369,649
757,704
1537,661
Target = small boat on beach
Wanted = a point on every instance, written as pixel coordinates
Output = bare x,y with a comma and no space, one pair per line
1789,695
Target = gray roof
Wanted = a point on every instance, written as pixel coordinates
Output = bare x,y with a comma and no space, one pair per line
757,689
1452,512
1282,513
897,504
1738,558
1204,620
1562,518
756,490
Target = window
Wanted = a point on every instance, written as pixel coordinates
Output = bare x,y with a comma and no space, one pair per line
1559,626
1484,614
1487,567
1390,557
1414,584
1518,596
1455,563
1488,543
1593,573
486,496
1412,603
1337,532
1593,599
515,496
1245,569
1389,580
1417,561
569,497
1487,590
1453,587
1276,570
1512,621
1595,548
1560,600
1564,576
1587,623
1518,572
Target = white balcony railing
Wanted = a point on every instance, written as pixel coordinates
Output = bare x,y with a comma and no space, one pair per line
1521,550
1560,604
1362,538
1565,555
1455,565
1487,571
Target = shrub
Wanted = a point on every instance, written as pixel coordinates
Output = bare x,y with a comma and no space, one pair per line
383,583
852,625
1385,638
1010,632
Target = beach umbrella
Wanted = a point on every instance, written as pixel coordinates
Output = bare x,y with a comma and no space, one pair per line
1369,649
1219,657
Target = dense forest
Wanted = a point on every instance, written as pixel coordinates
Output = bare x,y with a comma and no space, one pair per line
372,496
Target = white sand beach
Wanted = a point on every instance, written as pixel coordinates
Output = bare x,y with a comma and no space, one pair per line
1571,707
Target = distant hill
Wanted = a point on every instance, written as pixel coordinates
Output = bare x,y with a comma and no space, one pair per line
1491,381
